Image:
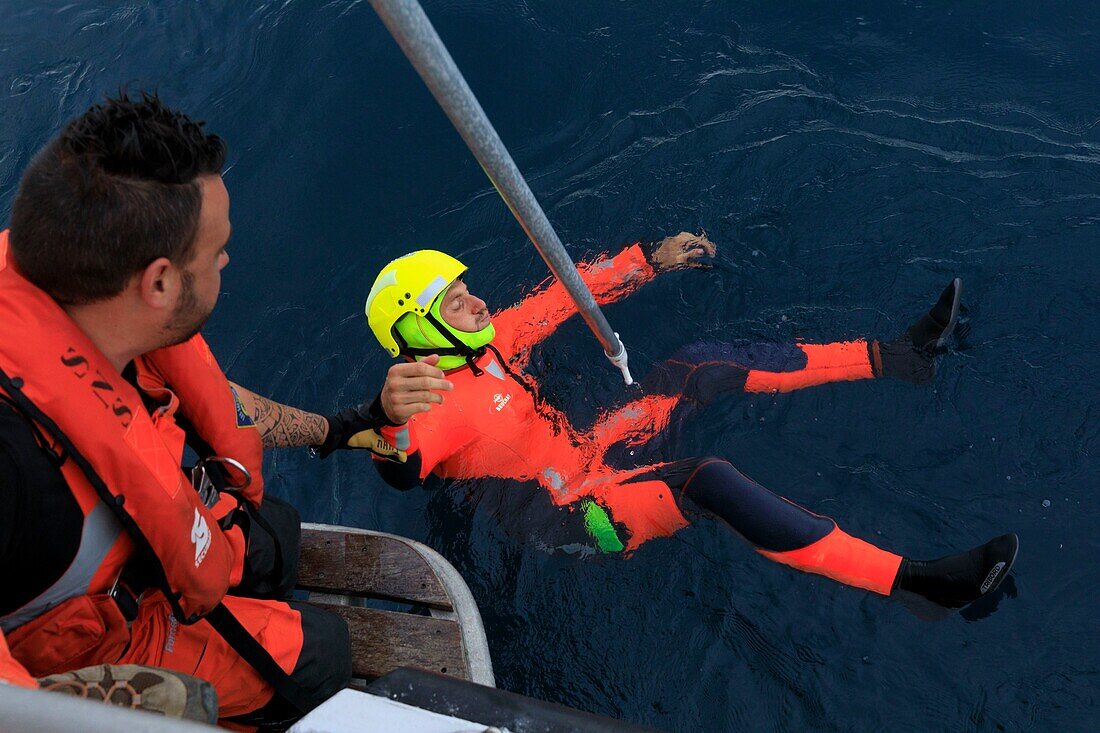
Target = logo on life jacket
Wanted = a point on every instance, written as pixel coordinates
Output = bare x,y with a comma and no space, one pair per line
101,387
200,536
173,627
499,401
989,579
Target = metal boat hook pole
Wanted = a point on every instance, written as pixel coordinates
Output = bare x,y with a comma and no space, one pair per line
414,33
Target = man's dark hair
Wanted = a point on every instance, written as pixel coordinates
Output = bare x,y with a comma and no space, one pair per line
114,191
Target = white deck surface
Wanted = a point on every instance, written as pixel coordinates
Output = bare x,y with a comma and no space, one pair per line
351,711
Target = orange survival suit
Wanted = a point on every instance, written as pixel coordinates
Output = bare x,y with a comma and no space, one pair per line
493,425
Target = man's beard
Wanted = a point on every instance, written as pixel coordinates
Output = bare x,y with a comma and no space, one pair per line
189,317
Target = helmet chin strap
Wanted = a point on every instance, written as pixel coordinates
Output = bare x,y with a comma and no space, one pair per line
458,348
471,358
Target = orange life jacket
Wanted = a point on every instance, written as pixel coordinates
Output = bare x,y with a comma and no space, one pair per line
11,671
124,455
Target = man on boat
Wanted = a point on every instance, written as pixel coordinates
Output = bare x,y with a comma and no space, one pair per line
110,552
490,421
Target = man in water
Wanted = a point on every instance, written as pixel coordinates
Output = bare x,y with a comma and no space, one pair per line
109,552
481,416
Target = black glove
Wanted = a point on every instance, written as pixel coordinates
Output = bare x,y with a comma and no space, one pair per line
357,427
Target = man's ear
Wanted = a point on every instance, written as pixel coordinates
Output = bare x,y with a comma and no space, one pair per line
159,283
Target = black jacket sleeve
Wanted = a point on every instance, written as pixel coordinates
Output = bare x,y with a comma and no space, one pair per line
40,519
401,476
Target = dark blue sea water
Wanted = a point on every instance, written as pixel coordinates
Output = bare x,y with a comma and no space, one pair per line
848,159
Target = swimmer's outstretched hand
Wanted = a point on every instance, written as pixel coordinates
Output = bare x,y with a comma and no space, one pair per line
413,387
682,250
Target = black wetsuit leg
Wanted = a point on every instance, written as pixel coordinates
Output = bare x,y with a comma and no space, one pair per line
703,370
768,521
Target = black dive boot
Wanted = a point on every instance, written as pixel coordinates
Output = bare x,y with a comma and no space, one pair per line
957,580
911,356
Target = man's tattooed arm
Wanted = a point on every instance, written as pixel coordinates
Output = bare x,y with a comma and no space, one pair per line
282,426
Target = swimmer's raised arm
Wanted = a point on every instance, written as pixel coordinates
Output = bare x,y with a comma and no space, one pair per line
413,387
609,278
416,447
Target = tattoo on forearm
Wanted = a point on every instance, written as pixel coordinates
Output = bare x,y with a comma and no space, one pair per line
281,426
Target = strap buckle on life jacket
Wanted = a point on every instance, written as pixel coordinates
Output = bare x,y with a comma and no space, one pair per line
124,597
204,483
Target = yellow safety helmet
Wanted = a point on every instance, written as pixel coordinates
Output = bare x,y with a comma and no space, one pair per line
403,310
